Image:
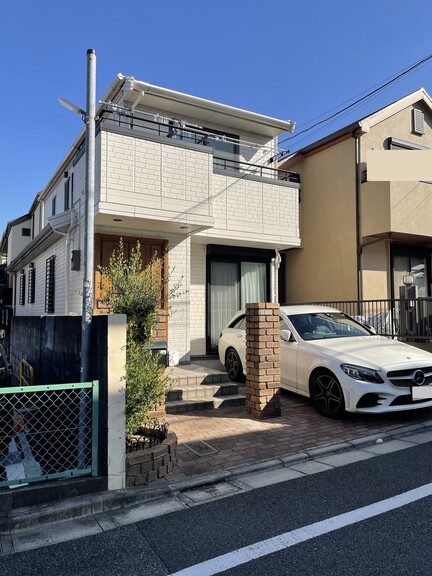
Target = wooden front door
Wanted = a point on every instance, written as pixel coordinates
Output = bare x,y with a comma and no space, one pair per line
105,246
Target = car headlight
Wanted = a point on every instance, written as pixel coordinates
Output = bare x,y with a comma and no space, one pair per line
361,373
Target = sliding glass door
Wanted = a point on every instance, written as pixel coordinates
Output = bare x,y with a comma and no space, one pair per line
232,284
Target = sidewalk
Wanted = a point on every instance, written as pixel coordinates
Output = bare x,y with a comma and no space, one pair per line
220,453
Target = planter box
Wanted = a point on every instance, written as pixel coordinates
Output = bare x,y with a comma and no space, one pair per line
144,466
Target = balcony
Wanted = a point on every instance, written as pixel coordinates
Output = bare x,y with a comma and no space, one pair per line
173,179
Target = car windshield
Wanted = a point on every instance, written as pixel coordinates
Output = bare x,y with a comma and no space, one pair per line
322,325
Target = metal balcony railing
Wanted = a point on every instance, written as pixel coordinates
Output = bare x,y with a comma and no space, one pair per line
162,128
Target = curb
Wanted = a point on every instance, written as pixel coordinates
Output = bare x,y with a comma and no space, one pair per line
83,506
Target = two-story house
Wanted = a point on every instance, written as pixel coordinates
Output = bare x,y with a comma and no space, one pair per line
361,238
190,178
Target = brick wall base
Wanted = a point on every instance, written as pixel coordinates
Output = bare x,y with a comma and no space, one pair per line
147,465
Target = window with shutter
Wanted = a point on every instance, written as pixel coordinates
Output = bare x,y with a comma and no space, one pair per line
50,285
22,290
31,286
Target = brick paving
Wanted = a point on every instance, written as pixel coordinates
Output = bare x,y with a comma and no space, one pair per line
241,439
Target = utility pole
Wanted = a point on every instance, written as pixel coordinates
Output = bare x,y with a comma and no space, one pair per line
90,137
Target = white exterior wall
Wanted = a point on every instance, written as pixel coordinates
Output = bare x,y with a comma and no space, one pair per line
147,179
38,308
254,213
16,241
198,299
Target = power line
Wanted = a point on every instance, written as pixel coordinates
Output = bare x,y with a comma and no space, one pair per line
380,87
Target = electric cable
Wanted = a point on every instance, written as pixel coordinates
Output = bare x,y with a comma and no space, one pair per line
381,86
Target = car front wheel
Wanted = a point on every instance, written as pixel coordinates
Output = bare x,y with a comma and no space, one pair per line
326,394
234,366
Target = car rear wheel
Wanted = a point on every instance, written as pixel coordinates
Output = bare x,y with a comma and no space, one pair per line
326,394
234,366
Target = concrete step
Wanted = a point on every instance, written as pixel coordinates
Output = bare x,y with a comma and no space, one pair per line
202,392
193,375
182,406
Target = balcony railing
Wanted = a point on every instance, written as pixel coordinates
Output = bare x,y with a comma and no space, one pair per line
161,127
407,320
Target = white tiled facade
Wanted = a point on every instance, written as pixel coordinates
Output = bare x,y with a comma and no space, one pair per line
156,186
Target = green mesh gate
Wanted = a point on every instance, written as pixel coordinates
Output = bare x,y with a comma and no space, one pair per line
48,432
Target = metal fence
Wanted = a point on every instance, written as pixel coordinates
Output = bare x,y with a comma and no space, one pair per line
48,432
409,320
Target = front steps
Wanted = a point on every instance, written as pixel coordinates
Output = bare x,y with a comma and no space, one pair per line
198,387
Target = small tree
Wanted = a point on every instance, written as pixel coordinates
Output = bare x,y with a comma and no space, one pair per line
139,292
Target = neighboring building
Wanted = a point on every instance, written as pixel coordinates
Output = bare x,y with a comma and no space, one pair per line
360,238
190,177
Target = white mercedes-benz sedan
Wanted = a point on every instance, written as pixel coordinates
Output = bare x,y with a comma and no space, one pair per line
340,364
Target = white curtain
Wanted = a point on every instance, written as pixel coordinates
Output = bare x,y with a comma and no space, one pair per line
253,282
223,297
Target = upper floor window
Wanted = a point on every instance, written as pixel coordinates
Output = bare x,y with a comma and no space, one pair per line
224,144
25,231
53,206
68,193
396,144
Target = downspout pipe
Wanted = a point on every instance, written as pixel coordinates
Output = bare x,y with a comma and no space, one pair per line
274,277
359,248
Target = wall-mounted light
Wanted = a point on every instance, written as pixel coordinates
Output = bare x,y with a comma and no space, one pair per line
65,173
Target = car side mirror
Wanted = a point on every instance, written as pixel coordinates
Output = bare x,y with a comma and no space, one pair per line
286,335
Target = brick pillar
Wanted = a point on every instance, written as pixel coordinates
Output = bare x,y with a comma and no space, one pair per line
263,360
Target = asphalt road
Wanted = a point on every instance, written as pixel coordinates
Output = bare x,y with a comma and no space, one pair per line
395,542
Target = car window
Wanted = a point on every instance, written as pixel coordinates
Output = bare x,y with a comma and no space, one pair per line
323,325
239,323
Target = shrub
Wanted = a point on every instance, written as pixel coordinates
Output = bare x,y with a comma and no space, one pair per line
139,292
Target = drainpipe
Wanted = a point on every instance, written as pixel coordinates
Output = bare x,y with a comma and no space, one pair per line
358,217
274,277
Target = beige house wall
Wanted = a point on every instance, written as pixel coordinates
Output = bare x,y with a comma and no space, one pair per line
324,268
401,207
376,278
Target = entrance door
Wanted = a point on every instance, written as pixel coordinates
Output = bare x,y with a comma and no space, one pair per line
232,284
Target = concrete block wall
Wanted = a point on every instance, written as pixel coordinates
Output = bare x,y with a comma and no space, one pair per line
51,344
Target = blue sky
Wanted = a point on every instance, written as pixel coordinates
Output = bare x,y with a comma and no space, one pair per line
292,60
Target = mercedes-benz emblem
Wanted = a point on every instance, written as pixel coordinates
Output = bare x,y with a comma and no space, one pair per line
418,377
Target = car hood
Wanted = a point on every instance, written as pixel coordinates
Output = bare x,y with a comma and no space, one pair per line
371,351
